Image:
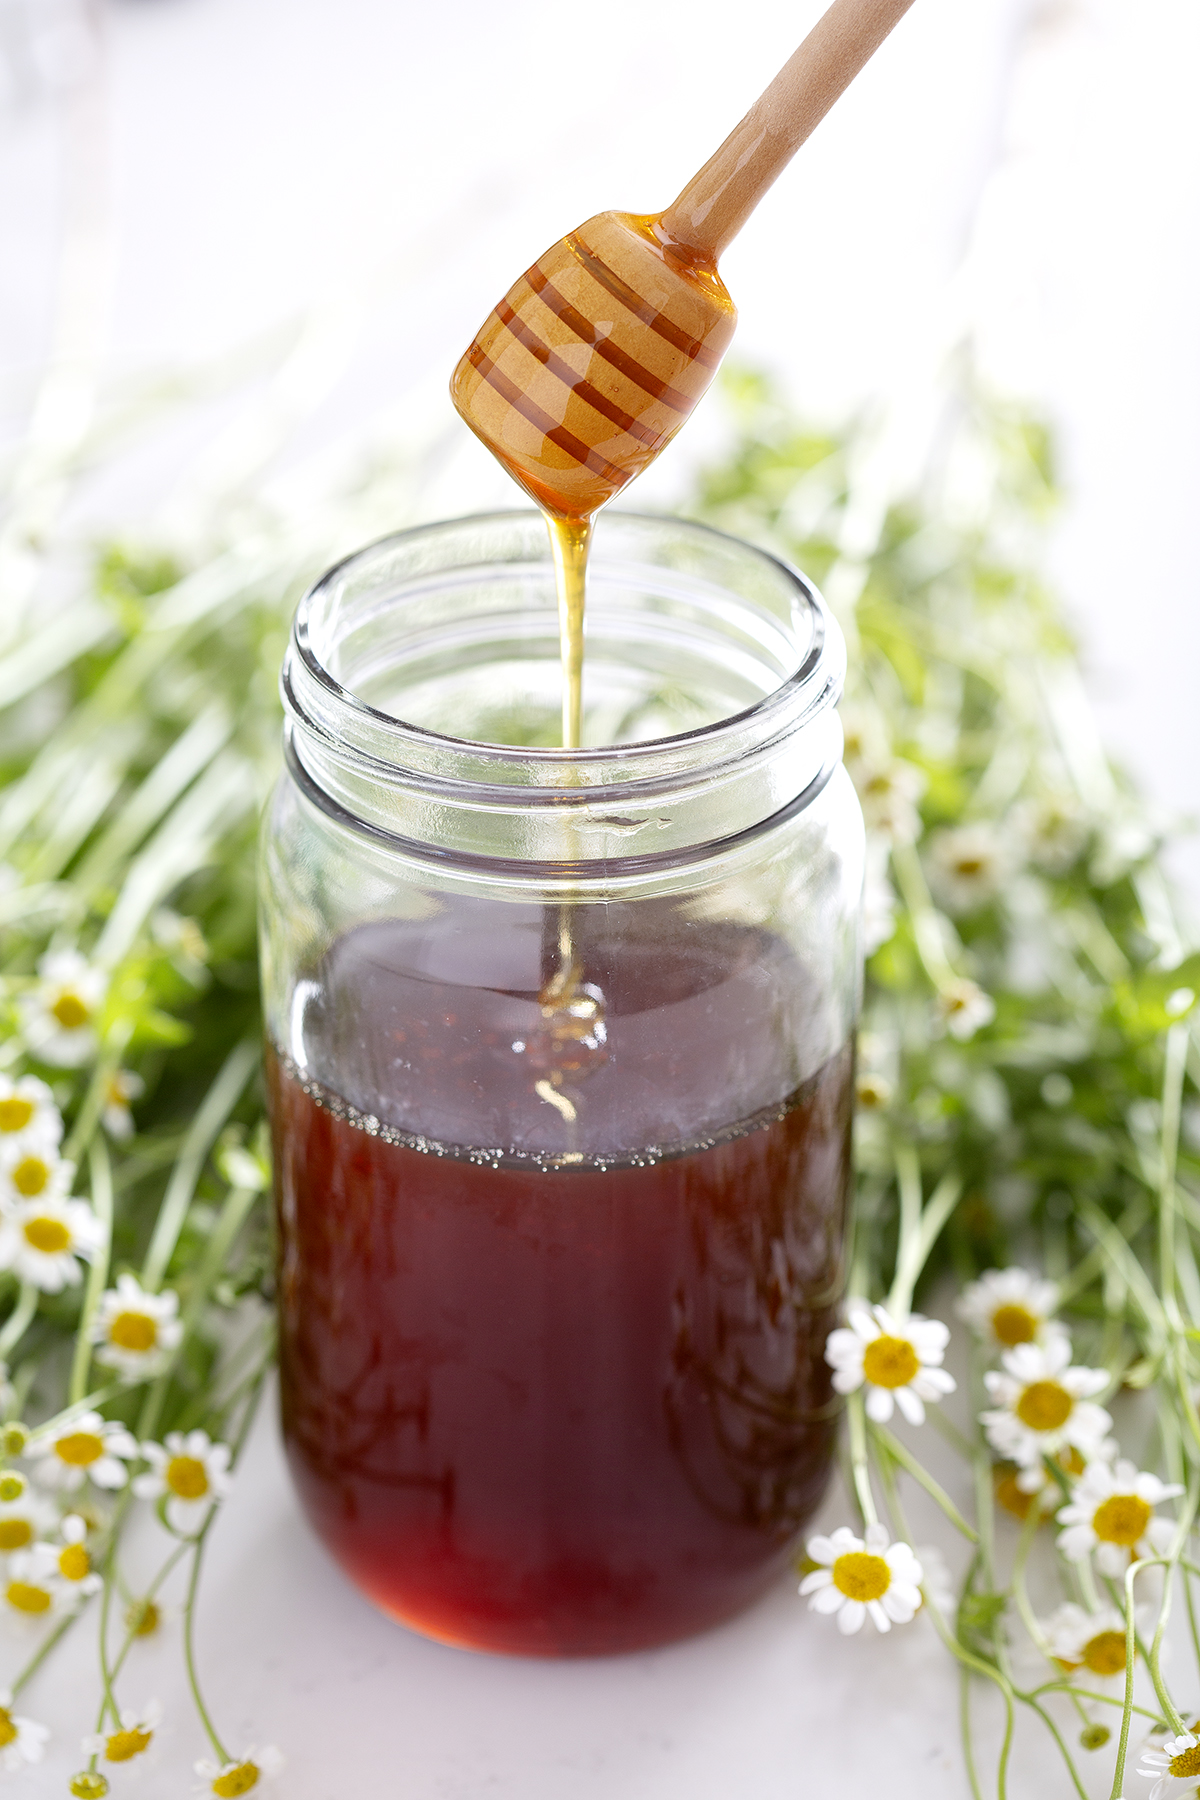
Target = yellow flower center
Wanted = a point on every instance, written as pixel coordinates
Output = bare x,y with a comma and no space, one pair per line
1012,1498
74,1562
143,1618
14,1534
969,865
15,1114
30,1176
872,1092
123,1746
79,1448
8,1730
133,1331
236,1781
11,1487
27,1598
890,1362
1121,1520
187,1477
71,1012
49,1236
1044,1406
1105,1653
88,1785
1186,1763
861,1576
1014,1325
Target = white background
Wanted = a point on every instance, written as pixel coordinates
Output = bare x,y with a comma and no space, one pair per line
1027,173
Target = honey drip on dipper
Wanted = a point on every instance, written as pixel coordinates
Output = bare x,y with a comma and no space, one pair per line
597,355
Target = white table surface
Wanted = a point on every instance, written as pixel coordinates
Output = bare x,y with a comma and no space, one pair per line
263,154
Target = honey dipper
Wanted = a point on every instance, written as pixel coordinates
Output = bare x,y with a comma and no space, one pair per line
594,359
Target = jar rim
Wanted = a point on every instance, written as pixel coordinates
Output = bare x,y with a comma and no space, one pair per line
814,685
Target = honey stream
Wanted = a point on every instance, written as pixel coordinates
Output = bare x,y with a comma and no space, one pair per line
569,1015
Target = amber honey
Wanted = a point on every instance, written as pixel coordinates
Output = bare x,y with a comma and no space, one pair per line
553,1379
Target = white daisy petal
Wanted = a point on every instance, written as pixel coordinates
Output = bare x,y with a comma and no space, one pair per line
827,1600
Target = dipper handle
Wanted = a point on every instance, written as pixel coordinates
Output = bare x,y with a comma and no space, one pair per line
718,200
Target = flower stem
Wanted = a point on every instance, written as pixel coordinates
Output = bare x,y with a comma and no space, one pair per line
218,1103
1175,1063
102,1206
908,1462
19,1319
859,1464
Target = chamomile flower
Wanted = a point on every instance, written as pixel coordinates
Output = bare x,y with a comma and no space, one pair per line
58,1016
32,1171
895,1359
85,1448
1081,1640
27,1595
1177,1760
66,1564
21,1740
191,1473
962,1008
863,1577
245,1776
1054,829
136,1331
888,792
24,1516
42,1239
1045,1405
1007,1307
136,1733
1111,1513
968,865
121,1087
28,1115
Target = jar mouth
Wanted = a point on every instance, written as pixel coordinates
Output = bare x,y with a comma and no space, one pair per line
403,638
314,629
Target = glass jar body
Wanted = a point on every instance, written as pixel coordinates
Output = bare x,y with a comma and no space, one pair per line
562,1141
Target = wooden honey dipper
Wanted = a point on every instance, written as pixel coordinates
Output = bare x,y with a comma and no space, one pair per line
594,359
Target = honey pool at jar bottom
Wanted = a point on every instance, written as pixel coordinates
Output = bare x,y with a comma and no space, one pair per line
556,1405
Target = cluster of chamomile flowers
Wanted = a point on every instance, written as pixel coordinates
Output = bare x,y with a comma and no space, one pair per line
55,1479
1044,1410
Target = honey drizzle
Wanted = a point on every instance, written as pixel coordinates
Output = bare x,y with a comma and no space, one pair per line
570,540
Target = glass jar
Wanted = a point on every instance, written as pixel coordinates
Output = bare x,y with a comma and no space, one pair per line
560,1048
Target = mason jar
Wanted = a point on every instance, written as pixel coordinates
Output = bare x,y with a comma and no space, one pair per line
560,1059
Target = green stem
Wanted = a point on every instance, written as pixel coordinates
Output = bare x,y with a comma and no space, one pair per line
926,921
238,1203
108,1699
89,1112
1052,1728
1172,1106
102,1206
45,1647
964,1730
1029,1526
908,1181
189,1609
219,1102
189,1656
908,1462
1062,1687
19,1319
859,1466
